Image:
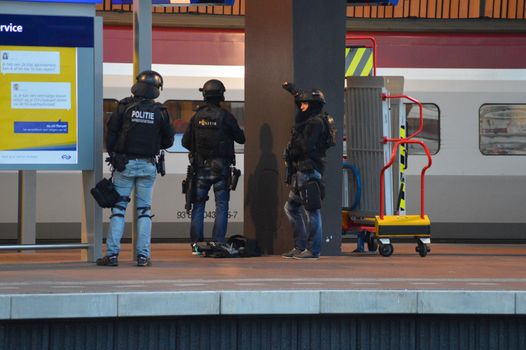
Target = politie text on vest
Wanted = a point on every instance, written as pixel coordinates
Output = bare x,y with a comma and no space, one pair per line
143,117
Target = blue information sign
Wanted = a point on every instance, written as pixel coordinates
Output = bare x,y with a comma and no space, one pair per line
372,2
46,92
62,31
41,127
180,2
63,1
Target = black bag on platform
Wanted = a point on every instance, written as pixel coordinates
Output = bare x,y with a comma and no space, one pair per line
245,247
105,193
237,246
216,250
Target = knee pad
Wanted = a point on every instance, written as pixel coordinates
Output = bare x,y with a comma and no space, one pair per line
311,194
117,214
144,212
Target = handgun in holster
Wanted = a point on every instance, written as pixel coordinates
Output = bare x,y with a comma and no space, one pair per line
160,164
235,174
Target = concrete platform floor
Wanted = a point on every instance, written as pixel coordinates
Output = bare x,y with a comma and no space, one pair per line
448,267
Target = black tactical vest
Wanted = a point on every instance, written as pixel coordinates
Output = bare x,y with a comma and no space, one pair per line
142,124
313,158
211,138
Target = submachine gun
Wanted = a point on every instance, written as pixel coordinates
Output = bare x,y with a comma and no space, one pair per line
290,169
189,186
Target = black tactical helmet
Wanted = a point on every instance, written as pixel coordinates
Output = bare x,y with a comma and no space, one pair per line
148,84
213,88
313,95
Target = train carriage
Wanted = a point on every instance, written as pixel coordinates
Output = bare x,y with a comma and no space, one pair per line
474,94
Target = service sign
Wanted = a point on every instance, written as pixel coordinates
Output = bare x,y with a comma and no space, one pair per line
38,87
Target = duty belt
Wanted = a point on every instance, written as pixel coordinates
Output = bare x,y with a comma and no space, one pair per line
201,162
140,157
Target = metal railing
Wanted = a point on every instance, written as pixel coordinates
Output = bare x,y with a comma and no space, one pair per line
424,9
45,246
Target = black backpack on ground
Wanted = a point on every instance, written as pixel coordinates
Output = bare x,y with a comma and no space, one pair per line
246,247
237,246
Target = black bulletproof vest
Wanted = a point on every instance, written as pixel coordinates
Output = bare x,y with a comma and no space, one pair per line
211,139
143,120
314,157
297,137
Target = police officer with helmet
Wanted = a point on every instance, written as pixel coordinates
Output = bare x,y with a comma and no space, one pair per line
210,138
137,131
305,158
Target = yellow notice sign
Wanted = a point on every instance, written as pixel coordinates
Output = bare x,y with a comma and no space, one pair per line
38,100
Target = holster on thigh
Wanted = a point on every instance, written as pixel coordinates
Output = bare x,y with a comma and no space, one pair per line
310,195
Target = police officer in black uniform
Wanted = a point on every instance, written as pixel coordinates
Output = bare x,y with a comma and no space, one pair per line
305,156
210,139
137,131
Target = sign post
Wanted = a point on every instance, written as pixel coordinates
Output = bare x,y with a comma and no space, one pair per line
51,90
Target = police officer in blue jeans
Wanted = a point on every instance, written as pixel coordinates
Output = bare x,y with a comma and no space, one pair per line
305,154
137,131
210,138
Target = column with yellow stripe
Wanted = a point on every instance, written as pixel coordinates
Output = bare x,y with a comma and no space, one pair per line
403,167
358,61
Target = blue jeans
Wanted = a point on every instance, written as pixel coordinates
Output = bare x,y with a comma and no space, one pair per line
307,235
360,243
206,178
140,173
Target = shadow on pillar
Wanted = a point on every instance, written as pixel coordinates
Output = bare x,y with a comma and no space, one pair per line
263,188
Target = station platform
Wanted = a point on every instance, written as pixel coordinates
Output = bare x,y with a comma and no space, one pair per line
452,279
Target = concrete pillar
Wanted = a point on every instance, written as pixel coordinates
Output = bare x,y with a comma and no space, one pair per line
27,207
142,60
302,41
91,221
142,36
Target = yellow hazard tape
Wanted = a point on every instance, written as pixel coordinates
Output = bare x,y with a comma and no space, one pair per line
368,67
359,61
355,61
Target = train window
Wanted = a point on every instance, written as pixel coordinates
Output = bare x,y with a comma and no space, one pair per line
109,105
237,108
502,128
431,132
181,111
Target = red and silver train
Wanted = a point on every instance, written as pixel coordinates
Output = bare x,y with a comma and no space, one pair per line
472,85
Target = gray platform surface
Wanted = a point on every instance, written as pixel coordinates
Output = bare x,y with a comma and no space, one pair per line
453,279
